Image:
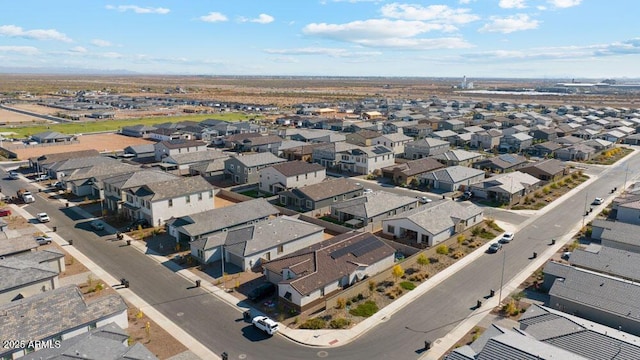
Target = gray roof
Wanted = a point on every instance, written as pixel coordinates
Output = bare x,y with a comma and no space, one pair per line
174,188
610,261
138,178
374,204
82,162
18,272
140,149
100,171
611,295
457,155
395,137
439,216
328,189
50,135
105,343
512,345
510,183
453,174
193,157
226,217
261,236
618,231
293,168
427,143
39,256
53,312
180,143
259,159
17,245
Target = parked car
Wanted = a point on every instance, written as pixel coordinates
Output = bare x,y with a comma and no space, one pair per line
261,292
423,199
58,185
5,212
367,191
43,240
566,255
495,247
137,223
42,177
467,195
265,324
97,225
13,175
598,201
507,237
43,217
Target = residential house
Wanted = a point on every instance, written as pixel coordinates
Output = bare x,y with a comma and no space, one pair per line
628,211
118,189
418,131
608,261
578,152
330,155
141,131
141,152
160,201
453,125
616,234
235,141
28,274
51,137
452,178
325,268
16,245
371,115
501,163
545,134
178,146
266,143
424,148
394,141
486,140
181,164
168,134
546,170
322,195
366,160
515,142
545,149
245,169
288,175
60,169
410,171
434,223
302,152
371,208
599,144
88,181
507,188
362,137
38,163
445,135
246,246
458,157
38,317
199,225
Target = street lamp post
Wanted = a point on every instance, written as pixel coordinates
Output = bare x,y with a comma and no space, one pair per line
504,256
222,247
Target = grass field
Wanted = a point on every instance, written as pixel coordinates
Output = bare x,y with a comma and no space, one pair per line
114,124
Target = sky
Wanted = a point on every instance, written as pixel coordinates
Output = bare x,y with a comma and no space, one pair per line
478,38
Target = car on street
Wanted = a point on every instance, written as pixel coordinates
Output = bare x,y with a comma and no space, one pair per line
43,240
43,217
495,247
13,175
367,191
265,324
58,185
5,212
423,199
138,223
261,292
566,255
97,225
42,177
598,201
467,195
507,237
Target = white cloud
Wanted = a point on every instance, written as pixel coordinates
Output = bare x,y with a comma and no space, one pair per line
138,9
36,34
214,17
509,24
564,3
25,50
112,55
261,19
101,43
373,29
541,7
512,4
435,13
78,49
465,2
333,52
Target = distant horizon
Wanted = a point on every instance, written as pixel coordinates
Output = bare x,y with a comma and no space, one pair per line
529,39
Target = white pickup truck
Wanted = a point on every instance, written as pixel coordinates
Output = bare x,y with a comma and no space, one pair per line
265,324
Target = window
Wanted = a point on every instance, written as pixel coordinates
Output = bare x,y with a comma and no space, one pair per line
199,196
391,229
308,204
210,194
170,202
187,199
425,238
335,198
297,177
280,249
231,166
322,292
306,176
93,326
287,296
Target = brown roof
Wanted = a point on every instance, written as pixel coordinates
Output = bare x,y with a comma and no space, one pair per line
549,166
329,188
293,168
241,137
263,140
368,134
182,143
330,260
415,167
304,149
50,158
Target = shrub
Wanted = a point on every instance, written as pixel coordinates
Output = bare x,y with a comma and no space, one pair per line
422,260
476,231
314,324
546,190
365,309
354,299
348,303
372,285
461,239
339,323
407,285
442,249
341,303
360,296
457,254
555,186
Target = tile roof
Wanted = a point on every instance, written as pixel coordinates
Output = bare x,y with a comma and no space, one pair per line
504,161
618,232
263,140
374,204
549,166
457,155
227,217
510,183
415,167
174,188
181,143
17,245
610,261
48,314
258,159
440,215
315,266
50,158
293,168
82,162
101,170
196,156
453,174
328,189
18,272
138,178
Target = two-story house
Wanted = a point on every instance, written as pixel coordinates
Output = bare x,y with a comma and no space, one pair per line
321,195
394,141
116,187
366,160
288,175
362,137
178,146
244,169
486,140
329,154
160,201
516,142
425,147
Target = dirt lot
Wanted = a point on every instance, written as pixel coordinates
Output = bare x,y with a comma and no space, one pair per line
100,142
7,116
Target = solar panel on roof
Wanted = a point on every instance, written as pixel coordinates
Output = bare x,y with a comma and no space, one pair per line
508,158
342,252
363,250
353,248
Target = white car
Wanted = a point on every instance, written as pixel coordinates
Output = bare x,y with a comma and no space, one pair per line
423,199
43,240
265,324
367,191
598,201
43,217
507,237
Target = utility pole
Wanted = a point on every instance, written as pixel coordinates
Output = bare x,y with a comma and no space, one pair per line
504,256
584,215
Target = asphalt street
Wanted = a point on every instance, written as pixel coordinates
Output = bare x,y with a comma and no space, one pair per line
220,327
